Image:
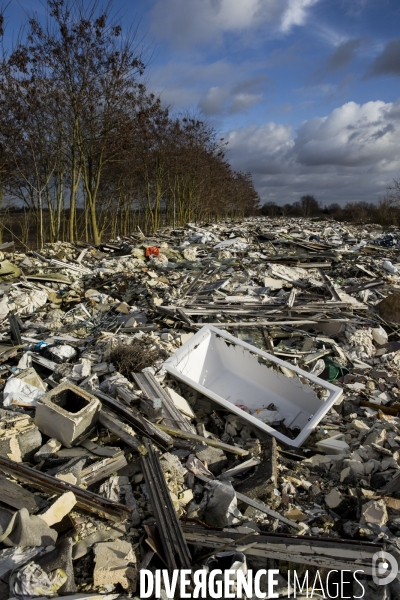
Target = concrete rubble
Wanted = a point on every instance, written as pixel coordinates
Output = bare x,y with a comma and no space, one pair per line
110,464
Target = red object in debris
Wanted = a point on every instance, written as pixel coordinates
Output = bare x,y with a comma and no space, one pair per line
152,250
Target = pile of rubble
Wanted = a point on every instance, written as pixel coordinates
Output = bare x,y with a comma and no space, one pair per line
209,393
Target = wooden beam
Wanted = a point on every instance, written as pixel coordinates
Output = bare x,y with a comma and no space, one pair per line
122,430
321,552
186,435
50,485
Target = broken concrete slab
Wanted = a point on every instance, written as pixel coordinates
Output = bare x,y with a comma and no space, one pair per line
180,403
82,547
19,436
115,564
59,509
374,512
334,499
333,445
51,447
214,458
25,530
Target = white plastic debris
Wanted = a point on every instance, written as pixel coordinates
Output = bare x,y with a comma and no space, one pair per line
31,581
233,244
318,368
380,336
26,303
270,417
333,445
388,266
159,260
64,351
222,510
17,391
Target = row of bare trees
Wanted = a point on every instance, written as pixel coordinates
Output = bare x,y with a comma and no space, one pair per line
385,212
87,149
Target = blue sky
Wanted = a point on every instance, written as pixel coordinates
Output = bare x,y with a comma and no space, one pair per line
305,91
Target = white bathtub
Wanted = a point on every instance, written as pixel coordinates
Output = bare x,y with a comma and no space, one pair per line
228,371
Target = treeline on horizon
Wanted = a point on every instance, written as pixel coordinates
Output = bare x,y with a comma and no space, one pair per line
385,212
87,151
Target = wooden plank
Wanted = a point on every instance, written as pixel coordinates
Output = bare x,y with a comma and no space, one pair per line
196,280
50,485
329,286
292,297
136,419
168,525
186,435
153,390
8,354
303,286
363,286
102,469
320,552
256,324
314,265
13,494
184,317
122,430
269,342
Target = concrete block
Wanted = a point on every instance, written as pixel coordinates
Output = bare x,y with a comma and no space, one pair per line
66,413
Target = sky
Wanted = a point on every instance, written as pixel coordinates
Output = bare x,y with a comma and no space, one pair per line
305,92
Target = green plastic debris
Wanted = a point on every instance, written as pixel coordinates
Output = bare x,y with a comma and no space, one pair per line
332,370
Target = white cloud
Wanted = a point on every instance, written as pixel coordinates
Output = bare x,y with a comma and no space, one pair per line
220,100
351,154
219,88
295,13
212,103
243,101
351,135
233,98
262,149
191,22
235,14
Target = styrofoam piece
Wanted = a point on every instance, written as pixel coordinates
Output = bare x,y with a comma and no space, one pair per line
228,371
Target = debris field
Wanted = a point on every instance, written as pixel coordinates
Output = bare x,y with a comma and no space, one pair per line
223,396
